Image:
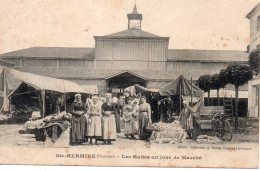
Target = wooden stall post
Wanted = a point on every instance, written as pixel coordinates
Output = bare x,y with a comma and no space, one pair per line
43,103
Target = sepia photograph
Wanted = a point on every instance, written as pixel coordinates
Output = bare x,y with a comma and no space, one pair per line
150,83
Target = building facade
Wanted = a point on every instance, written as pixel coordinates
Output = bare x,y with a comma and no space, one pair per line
121,59
254,85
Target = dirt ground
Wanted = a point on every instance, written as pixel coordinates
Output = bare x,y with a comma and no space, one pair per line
247,133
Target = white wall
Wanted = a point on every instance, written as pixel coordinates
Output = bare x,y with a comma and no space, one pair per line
254,34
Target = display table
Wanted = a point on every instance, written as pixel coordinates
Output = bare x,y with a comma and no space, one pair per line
167,133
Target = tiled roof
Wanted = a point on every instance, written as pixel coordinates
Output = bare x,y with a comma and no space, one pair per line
130,33
52,52
207,55
89,54
83,73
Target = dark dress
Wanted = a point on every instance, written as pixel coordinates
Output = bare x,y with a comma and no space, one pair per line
117,117
166,109
78,122
143,121
109,122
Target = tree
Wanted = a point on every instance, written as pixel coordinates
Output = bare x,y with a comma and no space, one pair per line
217,83
254,61
238,75
204,83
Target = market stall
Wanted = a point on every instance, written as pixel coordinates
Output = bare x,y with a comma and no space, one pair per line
176,131
152,97
25,92
183,89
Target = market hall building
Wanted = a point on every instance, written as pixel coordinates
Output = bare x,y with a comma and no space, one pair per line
121,59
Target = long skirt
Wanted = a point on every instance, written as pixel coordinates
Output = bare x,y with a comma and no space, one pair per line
118,126
143,121
94,127
131,127
109,128
128,128
135,124
78,128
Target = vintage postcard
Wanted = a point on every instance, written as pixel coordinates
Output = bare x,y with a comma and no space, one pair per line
172,83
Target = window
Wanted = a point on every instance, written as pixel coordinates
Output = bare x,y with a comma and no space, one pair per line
258,23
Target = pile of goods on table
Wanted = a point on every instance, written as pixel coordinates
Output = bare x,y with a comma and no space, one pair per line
51,126
205,139
168,133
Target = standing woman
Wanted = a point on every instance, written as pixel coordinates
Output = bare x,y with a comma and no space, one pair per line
117,114
108,120
78,121
144,117
135,116
127,117
188,121
94,121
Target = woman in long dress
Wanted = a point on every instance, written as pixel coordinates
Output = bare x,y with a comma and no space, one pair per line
135,116
94,121
188,121
130,116
78,121
117,114
108,120
144,117
127,117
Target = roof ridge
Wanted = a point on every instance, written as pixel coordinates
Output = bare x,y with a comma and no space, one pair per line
210,50
129,33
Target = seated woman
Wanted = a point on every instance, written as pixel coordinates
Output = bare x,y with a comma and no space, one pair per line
78,121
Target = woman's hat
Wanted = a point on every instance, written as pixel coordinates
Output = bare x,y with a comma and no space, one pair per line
77,95
186,102
95,97
109,94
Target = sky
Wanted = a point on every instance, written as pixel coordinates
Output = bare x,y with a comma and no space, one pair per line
190,24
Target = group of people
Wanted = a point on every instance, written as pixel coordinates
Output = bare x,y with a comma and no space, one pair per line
100,118
136,116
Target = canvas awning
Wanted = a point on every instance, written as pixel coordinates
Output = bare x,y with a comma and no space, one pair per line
11,79
14,78
181,86
135,89
184,88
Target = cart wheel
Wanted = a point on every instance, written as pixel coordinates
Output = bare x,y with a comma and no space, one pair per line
227,131
218,128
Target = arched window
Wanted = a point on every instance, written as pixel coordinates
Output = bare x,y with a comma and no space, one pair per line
258,23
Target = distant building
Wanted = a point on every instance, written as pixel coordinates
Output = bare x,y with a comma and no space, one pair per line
118,60
254,85
4,63
254,17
